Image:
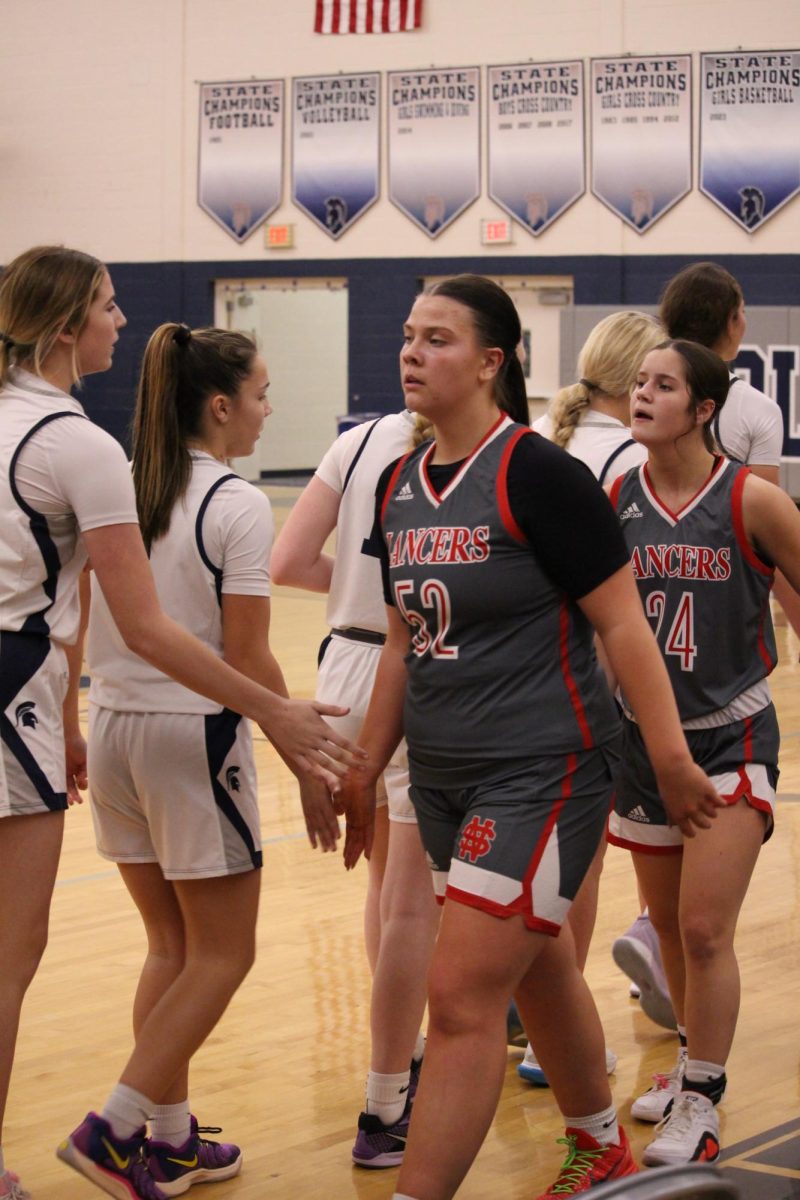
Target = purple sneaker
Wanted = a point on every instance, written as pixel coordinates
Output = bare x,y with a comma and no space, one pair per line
176,1168
379,1145
113,1164
638,954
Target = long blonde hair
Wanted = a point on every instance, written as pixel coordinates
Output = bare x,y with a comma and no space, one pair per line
44,291
607,366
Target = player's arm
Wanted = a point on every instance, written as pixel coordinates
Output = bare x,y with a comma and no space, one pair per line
772,526
245,639
379,736
616,612
74,741
118,557
298,557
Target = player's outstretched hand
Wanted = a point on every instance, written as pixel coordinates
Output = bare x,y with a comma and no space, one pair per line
75,747
355,800
308,743
689,796
319,813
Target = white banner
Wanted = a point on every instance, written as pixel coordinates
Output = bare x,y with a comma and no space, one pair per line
335,147
240,163
641,135
750,132
536,140
434,144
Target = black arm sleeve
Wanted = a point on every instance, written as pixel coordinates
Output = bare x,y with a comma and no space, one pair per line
565,514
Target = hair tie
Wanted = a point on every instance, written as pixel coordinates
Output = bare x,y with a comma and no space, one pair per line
587,383
182,335
9,341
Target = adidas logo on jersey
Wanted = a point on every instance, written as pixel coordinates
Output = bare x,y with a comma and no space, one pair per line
405,492
638,813
632,510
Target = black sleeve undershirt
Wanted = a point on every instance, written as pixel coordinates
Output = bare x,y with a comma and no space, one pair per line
557,503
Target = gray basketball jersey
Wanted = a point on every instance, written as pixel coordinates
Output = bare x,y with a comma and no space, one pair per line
703,587
501,664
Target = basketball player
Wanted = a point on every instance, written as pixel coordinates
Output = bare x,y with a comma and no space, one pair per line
499,557
704,535
591,420
65,492
401,916
703,303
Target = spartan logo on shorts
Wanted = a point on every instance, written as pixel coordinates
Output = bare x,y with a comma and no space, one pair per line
24,714
232,779
477,838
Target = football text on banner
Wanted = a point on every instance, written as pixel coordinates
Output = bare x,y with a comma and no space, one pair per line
240,161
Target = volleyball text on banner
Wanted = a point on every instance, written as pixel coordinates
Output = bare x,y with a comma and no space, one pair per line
750,132
641,113
240,161
536,140
335,147
434,144
367,16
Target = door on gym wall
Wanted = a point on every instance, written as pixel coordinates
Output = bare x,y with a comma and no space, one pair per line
300,328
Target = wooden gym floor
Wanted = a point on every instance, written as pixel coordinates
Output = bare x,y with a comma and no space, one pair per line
284,1071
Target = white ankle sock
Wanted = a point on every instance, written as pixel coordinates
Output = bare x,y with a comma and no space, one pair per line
419,1047
602,1126
126,1110
387,1095
171,1123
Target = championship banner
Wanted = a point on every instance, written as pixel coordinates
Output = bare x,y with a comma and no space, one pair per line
240,163
536,140
434,144
750,132
641,135
335,147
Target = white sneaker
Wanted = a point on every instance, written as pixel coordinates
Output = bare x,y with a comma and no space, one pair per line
531,1072
651,1106
688,1134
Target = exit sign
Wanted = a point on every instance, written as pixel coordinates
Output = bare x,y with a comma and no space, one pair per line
279,237
494,231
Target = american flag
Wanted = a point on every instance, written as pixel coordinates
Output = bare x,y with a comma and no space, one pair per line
367,16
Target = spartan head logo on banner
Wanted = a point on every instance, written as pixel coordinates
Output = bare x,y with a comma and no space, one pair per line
336,148
641,135
240,172
750,132
536,140
434,144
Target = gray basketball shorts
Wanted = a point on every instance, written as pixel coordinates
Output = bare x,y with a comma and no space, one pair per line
33,683
177,789
519,841
741,760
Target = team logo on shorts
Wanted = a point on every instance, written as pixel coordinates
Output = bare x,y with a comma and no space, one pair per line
477,838
232,779
24,714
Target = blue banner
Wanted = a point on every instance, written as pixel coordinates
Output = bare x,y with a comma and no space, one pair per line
750,132
641,135
240,161
434,144
335,148
536,140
